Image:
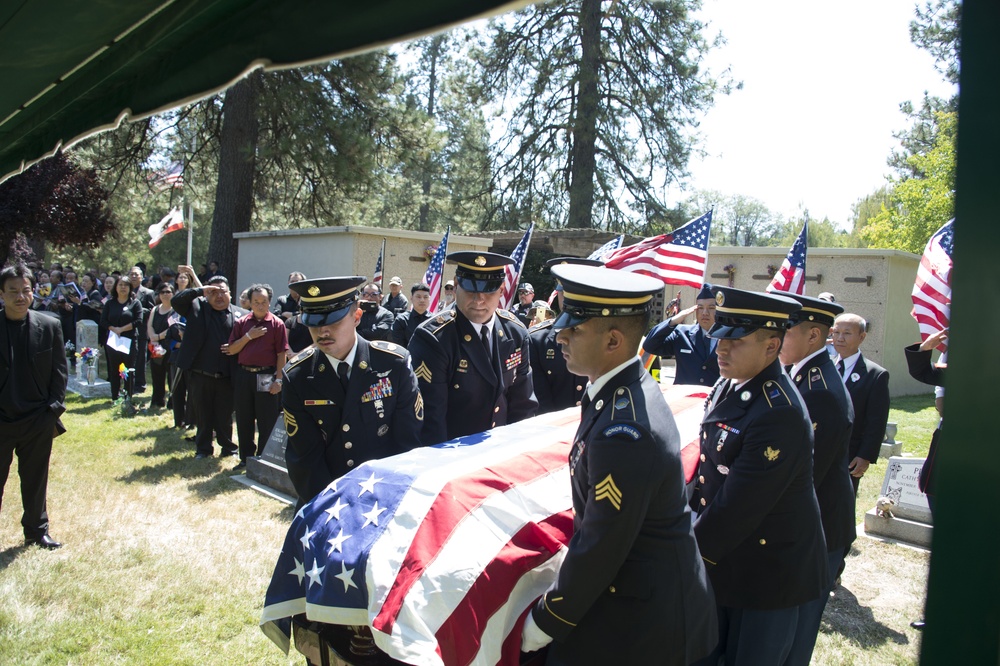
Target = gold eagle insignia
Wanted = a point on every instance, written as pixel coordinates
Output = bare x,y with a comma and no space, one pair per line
771,454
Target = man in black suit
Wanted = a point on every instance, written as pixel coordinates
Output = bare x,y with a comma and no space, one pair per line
210,315
376,321
632,588
346,400
472,361
807,363
690,344
867,383
405,323
32,391
147,299
758,524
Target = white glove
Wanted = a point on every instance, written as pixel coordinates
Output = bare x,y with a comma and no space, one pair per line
533,638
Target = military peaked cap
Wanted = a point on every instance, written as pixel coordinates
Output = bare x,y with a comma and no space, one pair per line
325,301
594,291
739,313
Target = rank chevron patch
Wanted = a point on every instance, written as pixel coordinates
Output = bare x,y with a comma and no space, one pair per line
607,489
423,372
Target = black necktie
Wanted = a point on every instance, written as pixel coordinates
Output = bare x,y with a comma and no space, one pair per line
840,367
342,370
485,337
788,369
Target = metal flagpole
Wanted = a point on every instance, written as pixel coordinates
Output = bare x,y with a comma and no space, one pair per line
190,226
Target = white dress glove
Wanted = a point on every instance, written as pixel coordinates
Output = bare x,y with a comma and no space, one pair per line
533,638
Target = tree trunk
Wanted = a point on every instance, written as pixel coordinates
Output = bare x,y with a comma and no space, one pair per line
237,160
581,189
425,205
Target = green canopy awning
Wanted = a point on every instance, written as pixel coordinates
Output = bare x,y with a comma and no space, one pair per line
69,69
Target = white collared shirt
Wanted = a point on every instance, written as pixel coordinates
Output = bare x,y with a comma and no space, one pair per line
798,366
349,359
849,364
595,387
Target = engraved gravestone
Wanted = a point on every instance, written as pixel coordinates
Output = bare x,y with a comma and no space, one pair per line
269,468
86,336
907,516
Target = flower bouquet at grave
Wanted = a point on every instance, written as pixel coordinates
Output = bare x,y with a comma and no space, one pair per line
70,351
89,355
124,403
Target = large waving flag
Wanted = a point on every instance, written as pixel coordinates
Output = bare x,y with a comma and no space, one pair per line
512,274
791,277
932,290
679,257
173,221
377,275
435,272
607,248
442,550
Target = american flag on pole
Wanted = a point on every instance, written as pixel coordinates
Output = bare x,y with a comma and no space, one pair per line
607,248
791,277
171,177
932,290
433,278
172,221
679,257
377,276
441,551
512,274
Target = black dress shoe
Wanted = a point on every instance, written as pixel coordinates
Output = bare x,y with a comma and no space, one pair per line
199,456
919,624
46,542
242,465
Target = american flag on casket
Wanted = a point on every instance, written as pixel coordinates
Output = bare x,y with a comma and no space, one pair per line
443,549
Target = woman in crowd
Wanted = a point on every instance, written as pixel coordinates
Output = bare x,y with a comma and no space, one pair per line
122,315
161,318
90,306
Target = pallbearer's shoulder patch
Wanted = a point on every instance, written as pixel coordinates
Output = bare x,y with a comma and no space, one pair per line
816,378
439,321
301,356
775,395
387,347
626,431
509,316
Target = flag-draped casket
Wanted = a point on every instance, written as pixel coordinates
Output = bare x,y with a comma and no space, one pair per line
441,551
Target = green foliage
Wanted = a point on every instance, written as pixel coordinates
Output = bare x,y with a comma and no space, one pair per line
594,100
920,204
739,220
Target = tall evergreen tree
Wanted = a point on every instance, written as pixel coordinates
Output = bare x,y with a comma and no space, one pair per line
599,100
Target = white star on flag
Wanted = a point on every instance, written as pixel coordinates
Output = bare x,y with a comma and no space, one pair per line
334,511
337,542
301,512
347,576
369,485
305,538
315,574
299,571
371,517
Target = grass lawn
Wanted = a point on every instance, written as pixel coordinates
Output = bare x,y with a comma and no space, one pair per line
166,559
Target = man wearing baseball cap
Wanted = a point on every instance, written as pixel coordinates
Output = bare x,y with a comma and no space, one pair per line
396,301
525,300
758,524
346,400
632,588
472,361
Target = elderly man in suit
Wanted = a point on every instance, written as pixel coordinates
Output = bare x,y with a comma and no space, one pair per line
473,361
632,588
868,384
690,344
32,390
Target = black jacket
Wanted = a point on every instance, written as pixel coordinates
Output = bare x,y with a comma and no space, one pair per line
869,393
47,363
193,306
832,415
758,525
376,325
632,588
693,365
555,386
465,391
330,433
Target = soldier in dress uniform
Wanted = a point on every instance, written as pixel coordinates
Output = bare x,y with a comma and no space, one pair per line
690,344
632,588
346,400
758,524
815,376
555,386
472,361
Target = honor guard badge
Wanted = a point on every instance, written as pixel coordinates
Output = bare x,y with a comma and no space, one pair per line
607,489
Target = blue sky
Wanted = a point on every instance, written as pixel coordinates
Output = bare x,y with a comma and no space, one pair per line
822,83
